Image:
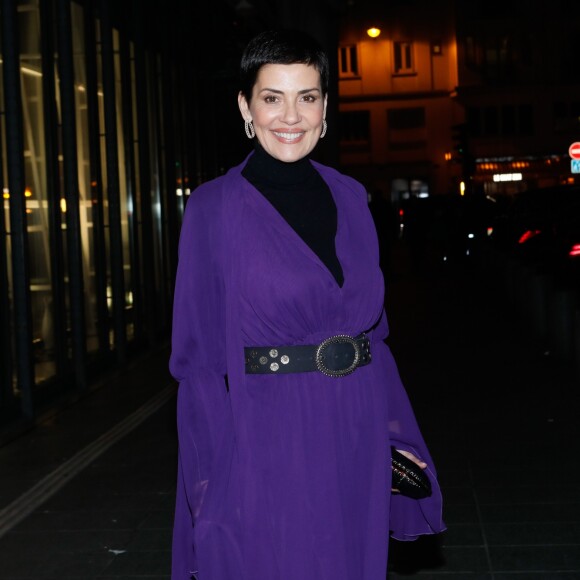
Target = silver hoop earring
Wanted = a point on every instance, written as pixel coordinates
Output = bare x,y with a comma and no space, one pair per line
249,129
324,128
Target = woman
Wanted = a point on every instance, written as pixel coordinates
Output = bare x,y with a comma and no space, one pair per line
285,423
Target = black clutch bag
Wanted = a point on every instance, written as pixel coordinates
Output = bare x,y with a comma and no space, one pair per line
408,477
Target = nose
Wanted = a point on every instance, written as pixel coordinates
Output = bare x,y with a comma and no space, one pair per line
290,115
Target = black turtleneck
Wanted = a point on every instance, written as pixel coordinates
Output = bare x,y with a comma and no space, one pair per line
301,196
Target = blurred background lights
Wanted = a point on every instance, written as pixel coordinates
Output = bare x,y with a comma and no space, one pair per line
373,32
507,177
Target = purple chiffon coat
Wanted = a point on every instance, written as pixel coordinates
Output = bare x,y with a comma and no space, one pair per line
284,477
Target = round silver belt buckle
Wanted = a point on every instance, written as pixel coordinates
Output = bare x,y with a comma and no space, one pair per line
338,339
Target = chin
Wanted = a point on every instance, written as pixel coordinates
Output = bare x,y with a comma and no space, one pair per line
291,157
289,154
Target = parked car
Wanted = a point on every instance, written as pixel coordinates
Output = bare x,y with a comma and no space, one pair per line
542,227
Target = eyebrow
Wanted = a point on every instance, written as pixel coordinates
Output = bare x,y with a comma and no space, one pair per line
279,92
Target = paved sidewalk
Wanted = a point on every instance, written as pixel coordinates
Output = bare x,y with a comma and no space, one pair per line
113,519
501,419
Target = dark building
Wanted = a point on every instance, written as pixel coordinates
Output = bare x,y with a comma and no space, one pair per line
98,152
519,85
443,93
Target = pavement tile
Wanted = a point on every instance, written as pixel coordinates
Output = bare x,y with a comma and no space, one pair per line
150,540
152,563
66,542
461,559
87,500
458,495
536,575
442,575
90,519
26,563
158,520
531,513
525,494
463,535
456,560
533,534
460,514
536,558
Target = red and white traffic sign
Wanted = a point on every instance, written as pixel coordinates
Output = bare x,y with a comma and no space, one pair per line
574,150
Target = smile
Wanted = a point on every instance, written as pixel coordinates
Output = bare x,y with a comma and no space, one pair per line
288,136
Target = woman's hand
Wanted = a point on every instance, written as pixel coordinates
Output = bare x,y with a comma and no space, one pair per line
414,459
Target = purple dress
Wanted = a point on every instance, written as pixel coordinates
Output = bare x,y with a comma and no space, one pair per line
284,477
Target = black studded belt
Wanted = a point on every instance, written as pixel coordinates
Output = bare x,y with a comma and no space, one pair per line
336,356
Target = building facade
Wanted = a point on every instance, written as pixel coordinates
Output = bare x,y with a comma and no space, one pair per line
481,93
519,87
396,97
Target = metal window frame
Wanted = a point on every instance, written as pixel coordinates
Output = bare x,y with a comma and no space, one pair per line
18,223
113,190
71,193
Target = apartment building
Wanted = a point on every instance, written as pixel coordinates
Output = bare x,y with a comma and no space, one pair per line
455,97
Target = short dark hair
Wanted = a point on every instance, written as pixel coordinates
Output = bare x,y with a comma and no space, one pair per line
281,47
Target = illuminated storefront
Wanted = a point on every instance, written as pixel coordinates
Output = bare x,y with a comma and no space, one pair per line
94,175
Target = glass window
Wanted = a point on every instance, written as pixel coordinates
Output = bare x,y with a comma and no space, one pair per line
403,56
156,129
35,172
575,113
123,187
508,120
354,126
474,121
499,57
7,376
104,180
135,139
490,121
406,128
86,205
566,116
526,119
348,61
407,118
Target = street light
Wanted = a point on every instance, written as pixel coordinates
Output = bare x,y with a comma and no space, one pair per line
373,32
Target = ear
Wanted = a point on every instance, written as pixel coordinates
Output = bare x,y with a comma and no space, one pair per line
325,105
244,107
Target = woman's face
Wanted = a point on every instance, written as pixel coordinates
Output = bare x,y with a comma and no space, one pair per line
287,109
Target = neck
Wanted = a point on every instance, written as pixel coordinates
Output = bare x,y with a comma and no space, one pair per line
264,168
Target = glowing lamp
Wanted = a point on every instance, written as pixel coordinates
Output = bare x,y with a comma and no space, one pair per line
373,32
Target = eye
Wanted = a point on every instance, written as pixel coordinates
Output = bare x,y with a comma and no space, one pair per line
310,98
270,99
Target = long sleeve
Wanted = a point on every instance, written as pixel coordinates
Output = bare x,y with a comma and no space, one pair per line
198,363
409,518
